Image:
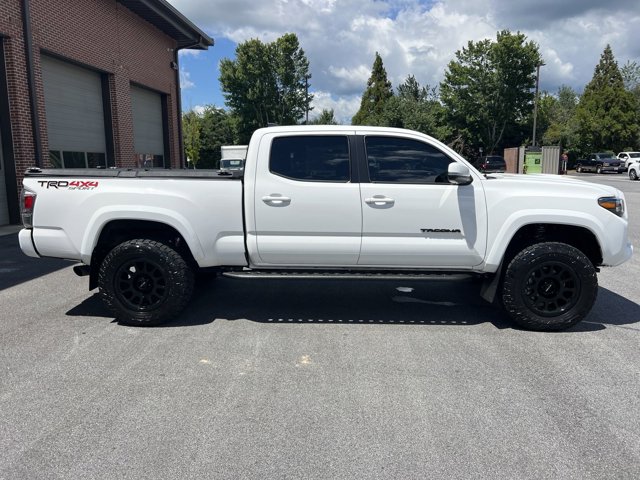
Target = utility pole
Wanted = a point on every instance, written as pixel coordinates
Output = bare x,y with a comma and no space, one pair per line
306,97
535,103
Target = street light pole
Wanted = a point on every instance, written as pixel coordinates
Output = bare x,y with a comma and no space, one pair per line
535,103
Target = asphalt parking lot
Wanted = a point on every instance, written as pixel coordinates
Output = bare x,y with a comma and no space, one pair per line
316,379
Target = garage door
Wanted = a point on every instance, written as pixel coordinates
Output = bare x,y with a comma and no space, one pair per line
75,114
148,132
4,207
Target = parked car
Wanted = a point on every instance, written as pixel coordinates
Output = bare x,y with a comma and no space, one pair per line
628,158
600,163
491,164
634,170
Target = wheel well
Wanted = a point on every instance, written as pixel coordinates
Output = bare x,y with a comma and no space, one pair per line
118,231
579,237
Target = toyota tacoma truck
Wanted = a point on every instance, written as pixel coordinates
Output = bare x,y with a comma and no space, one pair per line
336,201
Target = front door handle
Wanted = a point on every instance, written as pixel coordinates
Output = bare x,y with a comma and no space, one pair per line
379,200
276,199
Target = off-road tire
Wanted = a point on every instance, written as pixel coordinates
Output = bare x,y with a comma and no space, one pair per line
549,286
145,282
633,175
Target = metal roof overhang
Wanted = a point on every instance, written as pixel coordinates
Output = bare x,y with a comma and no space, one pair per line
169,20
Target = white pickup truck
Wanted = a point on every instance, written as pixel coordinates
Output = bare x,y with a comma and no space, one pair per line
330,201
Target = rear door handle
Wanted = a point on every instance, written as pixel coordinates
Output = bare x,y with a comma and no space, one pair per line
276,199
379,200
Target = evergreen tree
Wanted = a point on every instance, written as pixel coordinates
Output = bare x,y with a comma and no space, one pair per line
326,117
606,114
374,98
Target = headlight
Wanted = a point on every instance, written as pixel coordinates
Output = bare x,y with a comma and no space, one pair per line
613,204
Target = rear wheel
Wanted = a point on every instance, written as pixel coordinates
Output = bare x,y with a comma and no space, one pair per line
145,282
549,286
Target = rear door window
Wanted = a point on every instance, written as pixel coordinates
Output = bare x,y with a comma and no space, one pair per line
311,158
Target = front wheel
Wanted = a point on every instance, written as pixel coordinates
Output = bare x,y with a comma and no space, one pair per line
633,175
145,282
598,169
549,286
578,169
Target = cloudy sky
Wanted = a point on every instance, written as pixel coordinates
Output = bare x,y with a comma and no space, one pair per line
340,38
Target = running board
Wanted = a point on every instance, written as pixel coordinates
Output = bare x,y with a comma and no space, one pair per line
305,275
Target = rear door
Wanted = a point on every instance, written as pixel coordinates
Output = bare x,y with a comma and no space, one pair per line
412,216
307,208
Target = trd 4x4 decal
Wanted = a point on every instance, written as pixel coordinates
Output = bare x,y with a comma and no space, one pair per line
69,185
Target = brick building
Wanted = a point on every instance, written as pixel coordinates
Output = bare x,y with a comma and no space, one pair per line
89,83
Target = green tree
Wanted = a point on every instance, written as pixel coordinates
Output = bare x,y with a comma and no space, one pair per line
375,96
217,128
487,89
326,117
266,83
631,77
191,128
607,113
562,129
415,107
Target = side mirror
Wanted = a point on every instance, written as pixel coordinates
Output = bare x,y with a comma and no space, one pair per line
459,174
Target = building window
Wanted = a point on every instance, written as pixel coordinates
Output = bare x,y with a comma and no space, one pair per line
64,159
149,160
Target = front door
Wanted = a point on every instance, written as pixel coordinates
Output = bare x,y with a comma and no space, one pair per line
307,210
412,216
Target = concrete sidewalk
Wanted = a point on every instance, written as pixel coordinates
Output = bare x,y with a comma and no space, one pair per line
9,229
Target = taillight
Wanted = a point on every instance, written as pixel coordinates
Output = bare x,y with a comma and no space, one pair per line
27,204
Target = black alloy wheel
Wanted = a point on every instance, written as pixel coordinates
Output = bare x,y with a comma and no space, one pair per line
141,284
551,289
549,286
145,282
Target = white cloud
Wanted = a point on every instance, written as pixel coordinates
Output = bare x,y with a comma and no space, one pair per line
199,109
343,106
185,80
189,53
420,38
